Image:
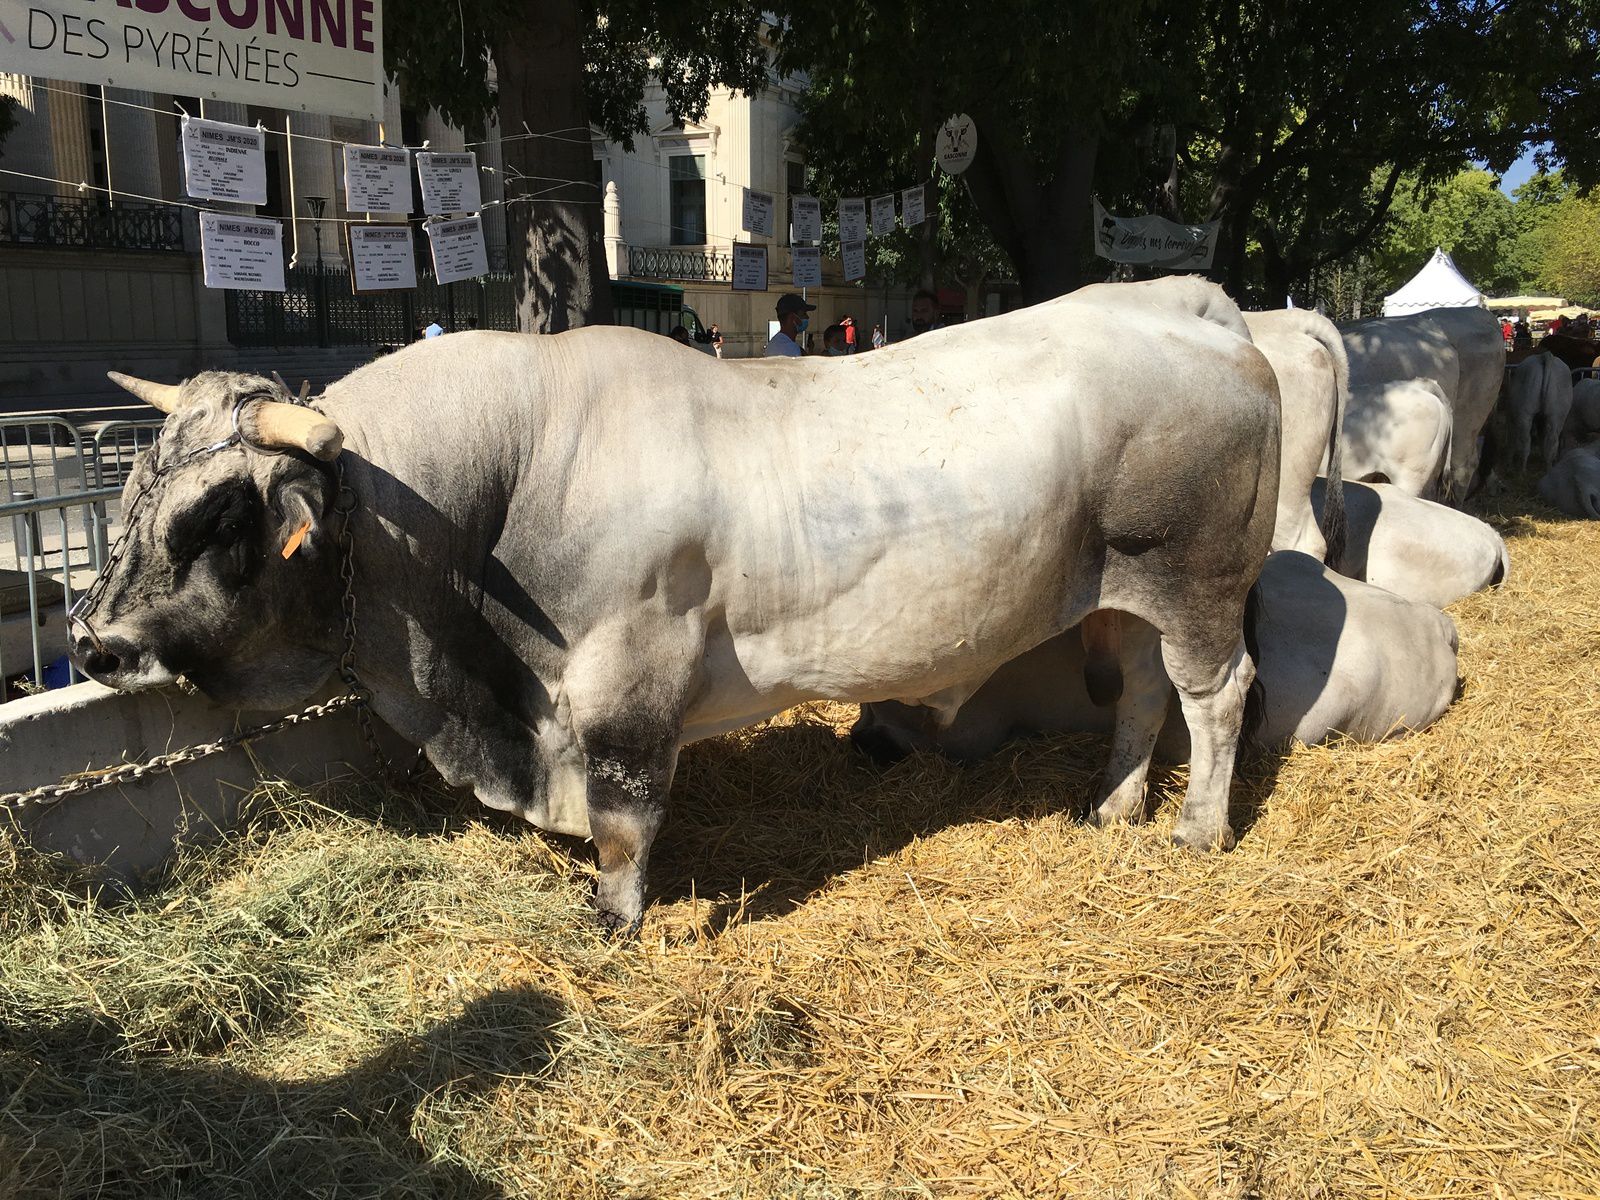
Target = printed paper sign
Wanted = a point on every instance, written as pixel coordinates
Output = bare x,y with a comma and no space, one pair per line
458,249
449,182
883,215
855,259
749,267
1154,241
377,179
758,208
807,266
382,258
321,56
957,144
806,225
912,210
242,252
223,162
852,220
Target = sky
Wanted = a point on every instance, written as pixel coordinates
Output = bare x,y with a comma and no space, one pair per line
1519,173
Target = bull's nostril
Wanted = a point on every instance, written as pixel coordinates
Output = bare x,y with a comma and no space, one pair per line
101,662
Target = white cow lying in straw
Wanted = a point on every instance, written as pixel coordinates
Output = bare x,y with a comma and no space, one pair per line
1415,548
1398,433
1538,393
1332,655
1583,421
1573,484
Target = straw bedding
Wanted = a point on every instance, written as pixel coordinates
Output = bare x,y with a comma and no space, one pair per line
931,981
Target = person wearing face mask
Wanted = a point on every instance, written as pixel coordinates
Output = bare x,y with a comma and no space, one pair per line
834,344
792,322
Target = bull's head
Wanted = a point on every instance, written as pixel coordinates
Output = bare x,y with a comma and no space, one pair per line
230,569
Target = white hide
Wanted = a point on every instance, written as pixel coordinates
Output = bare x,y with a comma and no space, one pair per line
1426,552
1573,484
1308,357
1583,421
1538,393
1399,433
1460,349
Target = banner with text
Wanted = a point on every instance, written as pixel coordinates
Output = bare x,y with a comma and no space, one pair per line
806,220
807,266
1154,241
459,251
241,252
320,56
382,258
449,182
224,162
749,267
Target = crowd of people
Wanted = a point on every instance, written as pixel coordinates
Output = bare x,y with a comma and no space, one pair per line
792,311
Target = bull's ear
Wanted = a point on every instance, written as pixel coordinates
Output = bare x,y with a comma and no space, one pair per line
302,504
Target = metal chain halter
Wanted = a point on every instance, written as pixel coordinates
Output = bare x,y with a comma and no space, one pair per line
358,695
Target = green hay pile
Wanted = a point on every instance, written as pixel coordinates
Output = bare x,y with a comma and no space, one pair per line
930,981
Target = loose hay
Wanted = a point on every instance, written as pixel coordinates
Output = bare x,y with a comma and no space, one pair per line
927,982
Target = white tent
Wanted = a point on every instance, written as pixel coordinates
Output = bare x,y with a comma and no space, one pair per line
1438,285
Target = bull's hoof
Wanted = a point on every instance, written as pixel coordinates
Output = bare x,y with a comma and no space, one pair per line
617,926
1105,815
1203,840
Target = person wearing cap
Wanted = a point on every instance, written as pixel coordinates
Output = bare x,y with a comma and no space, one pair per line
792,321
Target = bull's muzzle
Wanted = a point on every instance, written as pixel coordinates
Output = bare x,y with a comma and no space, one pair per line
117,662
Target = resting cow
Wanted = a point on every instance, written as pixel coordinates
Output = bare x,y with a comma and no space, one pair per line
1415,548
1460,349
1398,433
1332,656
1538,395
573,554
1573,484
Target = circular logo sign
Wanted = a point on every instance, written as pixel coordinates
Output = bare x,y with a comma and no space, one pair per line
958,144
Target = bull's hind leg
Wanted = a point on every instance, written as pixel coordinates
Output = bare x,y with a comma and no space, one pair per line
1212,687
1140,709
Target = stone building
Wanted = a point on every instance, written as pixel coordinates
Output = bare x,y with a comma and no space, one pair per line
89,281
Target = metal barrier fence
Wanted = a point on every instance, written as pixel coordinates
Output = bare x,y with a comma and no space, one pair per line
49,466
43,586
317,308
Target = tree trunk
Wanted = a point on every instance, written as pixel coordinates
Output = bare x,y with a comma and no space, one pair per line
555,242
1042,228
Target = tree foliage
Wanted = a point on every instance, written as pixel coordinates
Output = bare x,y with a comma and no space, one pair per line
558,67
1469,217
1284,114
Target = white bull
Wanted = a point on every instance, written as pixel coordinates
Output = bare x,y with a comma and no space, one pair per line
1583,421
1415,548
1538,394
1573,484
1460,349
573,554
1398,433
1332,656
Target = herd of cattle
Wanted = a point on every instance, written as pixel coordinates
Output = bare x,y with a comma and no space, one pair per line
574,554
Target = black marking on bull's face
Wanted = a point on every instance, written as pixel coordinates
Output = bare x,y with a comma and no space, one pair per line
202,588
223,525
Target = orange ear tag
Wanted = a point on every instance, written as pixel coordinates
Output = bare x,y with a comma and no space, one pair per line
295,538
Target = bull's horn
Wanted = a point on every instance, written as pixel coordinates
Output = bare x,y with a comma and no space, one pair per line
282,426
157,395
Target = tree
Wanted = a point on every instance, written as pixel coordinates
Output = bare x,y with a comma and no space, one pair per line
560,65
1469,217
1283,113
1045,83
1571,264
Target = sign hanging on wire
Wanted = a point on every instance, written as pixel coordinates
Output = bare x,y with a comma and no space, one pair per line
321,56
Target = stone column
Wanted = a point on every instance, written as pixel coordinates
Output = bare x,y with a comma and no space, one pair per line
616,248
315,174
440,134
133,154
69,137
29,147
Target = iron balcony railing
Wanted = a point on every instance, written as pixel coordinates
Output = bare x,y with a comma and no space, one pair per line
680,262
89,223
